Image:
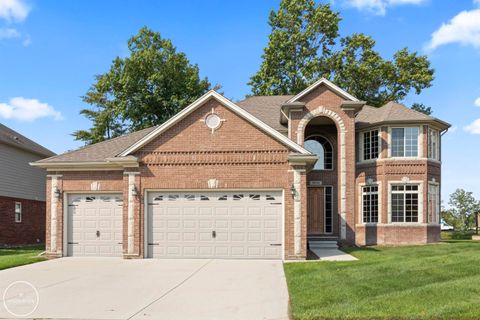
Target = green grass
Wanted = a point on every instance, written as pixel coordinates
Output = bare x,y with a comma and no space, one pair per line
439,281
13,257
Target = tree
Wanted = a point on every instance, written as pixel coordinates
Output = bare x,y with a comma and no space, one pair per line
300,43
463,208
290,63
420,107
144,89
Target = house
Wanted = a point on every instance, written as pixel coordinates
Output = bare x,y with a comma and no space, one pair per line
262,178
22,190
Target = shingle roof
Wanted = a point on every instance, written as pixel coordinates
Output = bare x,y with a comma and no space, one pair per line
390,112
13,138
266,109
102,150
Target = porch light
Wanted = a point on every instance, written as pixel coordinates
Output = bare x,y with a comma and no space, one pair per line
134,191
293,191
57,193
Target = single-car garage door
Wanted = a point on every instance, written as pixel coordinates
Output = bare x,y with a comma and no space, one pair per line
241,225
94,225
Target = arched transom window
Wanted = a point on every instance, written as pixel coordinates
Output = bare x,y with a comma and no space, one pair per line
323,149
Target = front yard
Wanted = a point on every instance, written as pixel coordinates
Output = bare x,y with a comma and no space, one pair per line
440,281
13,257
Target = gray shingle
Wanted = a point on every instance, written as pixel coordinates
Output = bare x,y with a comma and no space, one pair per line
102,150
266,109
13,138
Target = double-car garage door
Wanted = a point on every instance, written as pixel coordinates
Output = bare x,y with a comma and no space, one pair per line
240,225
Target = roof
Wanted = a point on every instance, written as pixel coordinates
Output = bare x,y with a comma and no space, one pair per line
100,151
13,138
266,108
393,112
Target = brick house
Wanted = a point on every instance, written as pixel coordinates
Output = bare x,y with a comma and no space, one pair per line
262,178
22,190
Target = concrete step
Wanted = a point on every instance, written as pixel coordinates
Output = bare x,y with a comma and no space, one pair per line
322,244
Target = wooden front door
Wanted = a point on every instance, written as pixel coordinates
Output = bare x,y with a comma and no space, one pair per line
319,211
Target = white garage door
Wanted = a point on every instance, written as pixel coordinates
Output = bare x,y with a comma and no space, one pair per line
94,226
242,225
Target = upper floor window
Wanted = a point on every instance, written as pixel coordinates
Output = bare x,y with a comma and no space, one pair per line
323,149
370,145
405,142
433,145
404,204
18,212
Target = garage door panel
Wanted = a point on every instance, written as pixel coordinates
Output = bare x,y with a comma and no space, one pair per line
94,225
246,224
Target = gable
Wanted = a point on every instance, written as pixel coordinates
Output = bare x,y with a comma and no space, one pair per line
191,135
226,104
324,83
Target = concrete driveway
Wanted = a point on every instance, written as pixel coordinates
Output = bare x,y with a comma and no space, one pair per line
112,288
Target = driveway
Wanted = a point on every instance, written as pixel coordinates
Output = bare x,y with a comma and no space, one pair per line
112,288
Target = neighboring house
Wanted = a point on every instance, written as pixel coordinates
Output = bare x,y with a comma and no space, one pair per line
22,189
237,180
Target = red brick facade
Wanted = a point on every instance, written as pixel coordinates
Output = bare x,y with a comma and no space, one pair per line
241,156
31,230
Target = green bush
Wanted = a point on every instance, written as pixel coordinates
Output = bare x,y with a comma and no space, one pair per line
457,235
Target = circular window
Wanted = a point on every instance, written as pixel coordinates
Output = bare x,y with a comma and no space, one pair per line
213,121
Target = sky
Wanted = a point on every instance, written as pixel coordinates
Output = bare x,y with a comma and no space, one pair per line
50,52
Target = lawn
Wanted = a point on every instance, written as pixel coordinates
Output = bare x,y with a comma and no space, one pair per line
440,281
13,257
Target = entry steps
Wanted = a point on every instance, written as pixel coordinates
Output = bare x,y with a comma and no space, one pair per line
322,243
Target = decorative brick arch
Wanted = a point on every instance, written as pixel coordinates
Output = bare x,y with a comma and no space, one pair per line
324,112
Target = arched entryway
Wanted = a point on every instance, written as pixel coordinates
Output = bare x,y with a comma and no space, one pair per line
322,131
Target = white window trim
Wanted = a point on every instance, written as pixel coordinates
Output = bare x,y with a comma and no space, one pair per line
360,203
361,146
437,185
420,143
325,208
420,202
21,213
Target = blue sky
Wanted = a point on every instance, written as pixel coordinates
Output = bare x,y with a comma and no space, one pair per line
51,50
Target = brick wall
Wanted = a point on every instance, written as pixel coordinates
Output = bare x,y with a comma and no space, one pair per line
32,228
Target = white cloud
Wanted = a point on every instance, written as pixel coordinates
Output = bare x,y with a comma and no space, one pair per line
474,127
23,109
464,29
477,101
9,33
379,7
13,10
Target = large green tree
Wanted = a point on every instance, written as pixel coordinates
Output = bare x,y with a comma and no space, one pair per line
303,34
144,89
290,63
463,208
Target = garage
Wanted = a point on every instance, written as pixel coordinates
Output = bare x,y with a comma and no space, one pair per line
228,225
94,225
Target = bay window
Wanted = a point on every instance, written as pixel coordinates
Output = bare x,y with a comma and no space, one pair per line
404,142
404,203
370,144
433,144
433,203
370,204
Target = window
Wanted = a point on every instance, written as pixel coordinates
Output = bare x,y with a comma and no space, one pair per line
370,204
433,203
370,145
404,206
328,210
18,212
323,149
405,142
433,146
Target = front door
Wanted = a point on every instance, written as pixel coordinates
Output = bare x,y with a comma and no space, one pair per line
319,211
